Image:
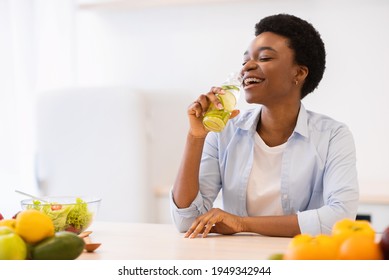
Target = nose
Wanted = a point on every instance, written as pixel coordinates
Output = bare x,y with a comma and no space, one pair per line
248,66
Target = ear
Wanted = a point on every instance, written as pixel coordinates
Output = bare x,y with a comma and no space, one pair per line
301,73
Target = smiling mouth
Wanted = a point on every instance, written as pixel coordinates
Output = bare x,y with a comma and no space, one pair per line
250,81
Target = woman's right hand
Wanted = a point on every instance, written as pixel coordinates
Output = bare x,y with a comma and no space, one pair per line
199,107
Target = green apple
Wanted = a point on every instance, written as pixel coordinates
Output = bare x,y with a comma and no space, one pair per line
12,246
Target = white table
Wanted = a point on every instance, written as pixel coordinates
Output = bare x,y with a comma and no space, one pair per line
131,241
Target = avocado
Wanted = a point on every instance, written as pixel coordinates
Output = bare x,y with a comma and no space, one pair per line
63,245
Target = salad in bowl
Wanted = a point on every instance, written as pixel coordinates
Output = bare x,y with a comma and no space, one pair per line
68,213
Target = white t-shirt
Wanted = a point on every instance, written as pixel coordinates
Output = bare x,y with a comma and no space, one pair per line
263,191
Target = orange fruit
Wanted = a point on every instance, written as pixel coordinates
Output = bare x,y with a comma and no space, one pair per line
360,247
345,228
307,247
33,226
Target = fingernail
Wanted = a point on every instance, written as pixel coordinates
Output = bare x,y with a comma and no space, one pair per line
219,106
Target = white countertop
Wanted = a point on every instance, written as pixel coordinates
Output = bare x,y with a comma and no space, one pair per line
136,241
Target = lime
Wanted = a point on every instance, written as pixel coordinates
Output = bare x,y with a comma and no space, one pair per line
228,100
230,87
213,123
215,119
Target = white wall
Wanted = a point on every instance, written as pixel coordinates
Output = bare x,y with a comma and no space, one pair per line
16,103
36,53
191,48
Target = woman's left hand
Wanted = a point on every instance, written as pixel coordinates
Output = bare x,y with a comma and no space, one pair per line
216,221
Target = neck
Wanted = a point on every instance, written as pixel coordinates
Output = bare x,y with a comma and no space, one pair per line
276,124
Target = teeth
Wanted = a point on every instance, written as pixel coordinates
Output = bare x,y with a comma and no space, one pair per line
249,81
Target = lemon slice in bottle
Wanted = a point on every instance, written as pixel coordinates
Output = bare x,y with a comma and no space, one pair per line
226,87
213,123
228,99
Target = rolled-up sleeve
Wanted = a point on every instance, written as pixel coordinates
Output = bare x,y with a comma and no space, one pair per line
184,217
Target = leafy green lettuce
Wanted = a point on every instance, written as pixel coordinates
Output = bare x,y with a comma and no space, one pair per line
77,216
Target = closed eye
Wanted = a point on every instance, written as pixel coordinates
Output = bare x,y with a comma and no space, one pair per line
264,59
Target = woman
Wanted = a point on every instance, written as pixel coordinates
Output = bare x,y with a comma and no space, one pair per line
282,170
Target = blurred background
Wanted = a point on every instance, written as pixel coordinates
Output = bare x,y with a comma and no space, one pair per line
93,94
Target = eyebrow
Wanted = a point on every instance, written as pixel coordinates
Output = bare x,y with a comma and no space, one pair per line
261,49
266,48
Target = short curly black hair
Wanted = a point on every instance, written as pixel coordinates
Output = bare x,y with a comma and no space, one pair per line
306,42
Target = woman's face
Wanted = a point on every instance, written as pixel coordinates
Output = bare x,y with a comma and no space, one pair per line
269,71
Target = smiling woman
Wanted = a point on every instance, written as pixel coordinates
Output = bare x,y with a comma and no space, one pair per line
271,61
256,161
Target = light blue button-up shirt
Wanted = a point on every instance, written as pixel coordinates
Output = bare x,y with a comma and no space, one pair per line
318,172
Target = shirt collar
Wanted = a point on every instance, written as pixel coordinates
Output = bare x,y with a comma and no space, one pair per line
249,120
302,122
